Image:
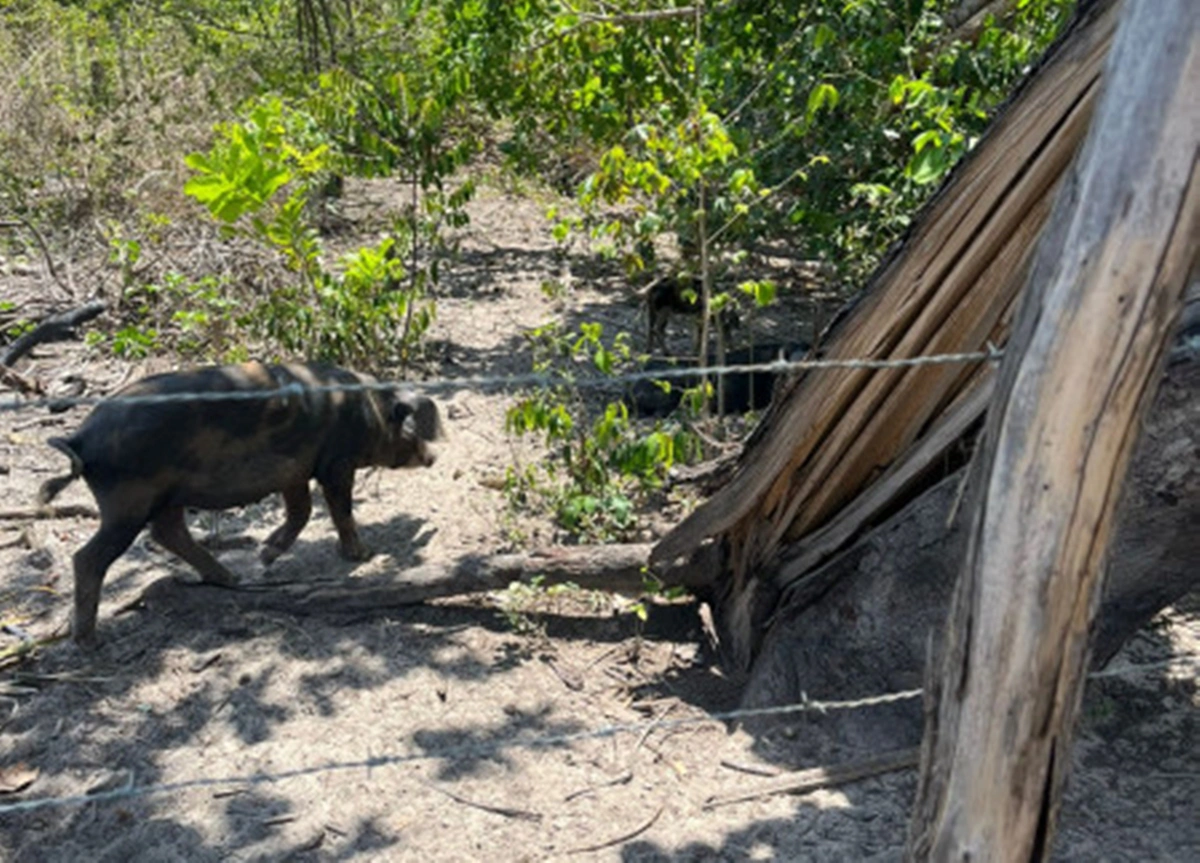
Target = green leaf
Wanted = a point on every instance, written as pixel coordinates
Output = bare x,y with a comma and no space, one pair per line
872,193
207,188
821,96
823,35
933,136
928,166
763,292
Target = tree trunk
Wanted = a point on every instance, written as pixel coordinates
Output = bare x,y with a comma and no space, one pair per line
862,623
1105,289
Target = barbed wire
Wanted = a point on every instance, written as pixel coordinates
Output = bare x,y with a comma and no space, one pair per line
548,741
510,382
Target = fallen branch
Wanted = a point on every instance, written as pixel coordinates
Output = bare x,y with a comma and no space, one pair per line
68,510
608,567
55,328
803,781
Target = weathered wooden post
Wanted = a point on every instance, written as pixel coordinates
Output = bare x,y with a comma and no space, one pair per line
1105,287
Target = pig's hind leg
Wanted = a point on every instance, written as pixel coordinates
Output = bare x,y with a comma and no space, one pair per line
297,500
169,530
91,563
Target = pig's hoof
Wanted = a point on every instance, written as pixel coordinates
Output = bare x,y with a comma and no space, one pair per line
358,552
221,578
269,554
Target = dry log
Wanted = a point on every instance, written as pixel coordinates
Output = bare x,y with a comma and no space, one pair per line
1107,285
56,328
620,568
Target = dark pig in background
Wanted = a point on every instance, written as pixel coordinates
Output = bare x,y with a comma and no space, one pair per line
744,391
146,462
676,295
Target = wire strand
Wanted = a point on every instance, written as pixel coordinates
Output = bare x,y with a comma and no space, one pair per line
509,382
476,750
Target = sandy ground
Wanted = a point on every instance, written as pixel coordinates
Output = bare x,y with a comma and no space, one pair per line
455,731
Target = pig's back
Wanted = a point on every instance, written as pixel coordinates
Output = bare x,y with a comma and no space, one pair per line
208,453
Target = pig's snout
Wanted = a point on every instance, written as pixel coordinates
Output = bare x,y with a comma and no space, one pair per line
419,425
414,453
425,455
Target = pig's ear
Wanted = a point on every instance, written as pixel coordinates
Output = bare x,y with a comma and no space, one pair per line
401,411
427,423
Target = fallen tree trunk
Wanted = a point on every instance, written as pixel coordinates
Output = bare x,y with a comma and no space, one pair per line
620,568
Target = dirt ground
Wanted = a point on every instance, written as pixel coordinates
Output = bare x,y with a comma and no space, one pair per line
458,730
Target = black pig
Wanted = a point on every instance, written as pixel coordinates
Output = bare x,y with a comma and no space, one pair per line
744,391
146,462
668,295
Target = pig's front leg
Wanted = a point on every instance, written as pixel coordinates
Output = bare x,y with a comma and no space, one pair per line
297,500
338,487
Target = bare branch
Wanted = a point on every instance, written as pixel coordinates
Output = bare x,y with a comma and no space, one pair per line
21,222
55,328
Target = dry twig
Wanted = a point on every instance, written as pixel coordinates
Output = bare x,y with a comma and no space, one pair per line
619,839
625,777
66,510
523,814
803,781
752,769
